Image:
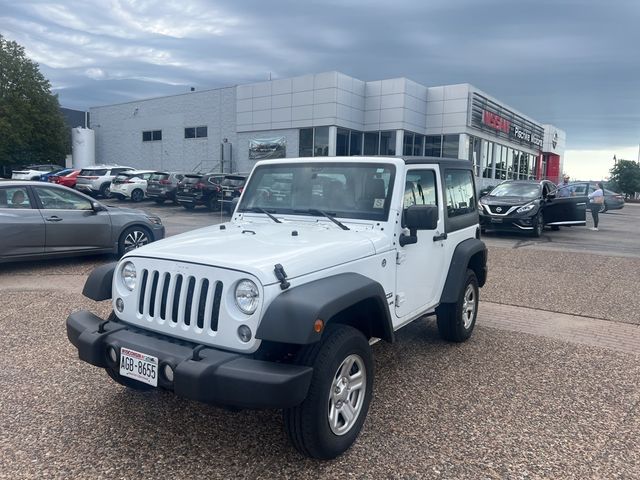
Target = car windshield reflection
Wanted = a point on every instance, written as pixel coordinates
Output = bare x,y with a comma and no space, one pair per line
347,190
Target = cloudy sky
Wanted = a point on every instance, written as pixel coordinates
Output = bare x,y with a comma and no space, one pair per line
575,64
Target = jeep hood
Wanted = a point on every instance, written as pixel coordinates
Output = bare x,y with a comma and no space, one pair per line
256,247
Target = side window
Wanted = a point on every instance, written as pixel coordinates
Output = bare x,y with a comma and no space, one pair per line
58,199
460,193
14,197
420,188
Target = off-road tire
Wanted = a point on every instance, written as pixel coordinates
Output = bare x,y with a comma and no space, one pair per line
307,424
454,324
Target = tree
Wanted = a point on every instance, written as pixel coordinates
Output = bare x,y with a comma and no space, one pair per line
32,129
626,176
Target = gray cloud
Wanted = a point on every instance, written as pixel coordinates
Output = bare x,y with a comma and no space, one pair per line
571,63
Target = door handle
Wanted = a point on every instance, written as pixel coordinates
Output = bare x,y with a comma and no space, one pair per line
439,238
53,219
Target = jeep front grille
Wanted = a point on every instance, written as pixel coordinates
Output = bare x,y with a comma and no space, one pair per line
185,300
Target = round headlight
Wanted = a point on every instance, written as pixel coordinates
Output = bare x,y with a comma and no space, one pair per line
128,275
247,296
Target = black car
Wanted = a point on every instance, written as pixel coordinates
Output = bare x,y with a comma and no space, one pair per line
163,186
230,190
528,206
197,189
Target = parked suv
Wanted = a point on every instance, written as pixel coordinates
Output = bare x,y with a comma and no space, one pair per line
96,180
33,172
230,190
163,186
278,307
529,205
131,184
196,189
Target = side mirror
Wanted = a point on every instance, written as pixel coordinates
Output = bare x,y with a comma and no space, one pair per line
98,207
421,217
418,217
551,196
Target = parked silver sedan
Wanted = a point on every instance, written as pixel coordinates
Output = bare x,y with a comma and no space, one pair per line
46,220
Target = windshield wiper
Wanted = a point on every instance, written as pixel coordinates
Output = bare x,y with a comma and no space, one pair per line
261,210
315,211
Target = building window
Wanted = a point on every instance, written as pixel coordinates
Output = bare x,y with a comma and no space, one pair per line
407,144
306,142
321,142
355,147
433,146
195,132
342,142
388,143
371,143
151,135
418,145
450,146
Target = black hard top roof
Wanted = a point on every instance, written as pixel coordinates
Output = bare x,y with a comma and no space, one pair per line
444,162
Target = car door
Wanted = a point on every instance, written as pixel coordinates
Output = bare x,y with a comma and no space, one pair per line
22,228
419,265
70,221
566,210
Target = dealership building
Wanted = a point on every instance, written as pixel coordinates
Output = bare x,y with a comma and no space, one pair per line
327,114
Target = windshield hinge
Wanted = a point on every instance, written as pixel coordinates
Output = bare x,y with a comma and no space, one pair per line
281,275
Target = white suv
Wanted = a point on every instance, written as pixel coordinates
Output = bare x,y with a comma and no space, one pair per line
131,184
96,180
278,307
33,172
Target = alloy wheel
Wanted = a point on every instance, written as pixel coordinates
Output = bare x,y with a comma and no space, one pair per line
468,306
135,239
347,394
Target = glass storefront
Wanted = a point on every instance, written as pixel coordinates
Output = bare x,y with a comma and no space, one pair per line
501,162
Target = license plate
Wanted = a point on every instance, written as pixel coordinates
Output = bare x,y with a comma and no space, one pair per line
496,220
139,366
227,194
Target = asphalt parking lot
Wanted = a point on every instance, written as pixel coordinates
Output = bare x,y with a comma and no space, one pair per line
506,404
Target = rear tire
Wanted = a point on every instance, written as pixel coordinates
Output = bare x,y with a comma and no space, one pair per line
188,206
159,201
457,320
105,190
329,420
137,195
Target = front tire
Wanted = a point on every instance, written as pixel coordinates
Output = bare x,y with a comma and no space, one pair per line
329,420
132,238
456,320
538,226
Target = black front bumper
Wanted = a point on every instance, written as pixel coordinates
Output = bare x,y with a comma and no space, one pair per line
509,223
210,375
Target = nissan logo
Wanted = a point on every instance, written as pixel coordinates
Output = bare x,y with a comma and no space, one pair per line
499,209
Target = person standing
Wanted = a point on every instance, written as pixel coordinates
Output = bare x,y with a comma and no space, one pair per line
596,200
564,189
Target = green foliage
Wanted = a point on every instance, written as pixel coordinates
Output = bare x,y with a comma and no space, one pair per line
32,129
625,175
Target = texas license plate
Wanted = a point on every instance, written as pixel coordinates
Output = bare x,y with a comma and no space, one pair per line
139,366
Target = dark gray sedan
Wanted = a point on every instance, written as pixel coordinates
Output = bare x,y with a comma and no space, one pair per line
47,220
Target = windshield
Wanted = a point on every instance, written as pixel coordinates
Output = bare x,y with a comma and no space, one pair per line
159,176
524,190
349,190
191,179
90,172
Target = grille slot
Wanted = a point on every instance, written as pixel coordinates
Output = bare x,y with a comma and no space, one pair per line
190,301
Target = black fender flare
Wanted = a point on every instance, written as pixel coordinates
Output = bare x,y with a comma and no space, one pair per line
98,285
290,318
460,261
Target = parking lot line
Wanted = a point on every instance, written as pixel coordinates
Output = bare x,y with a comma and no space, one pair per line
595,332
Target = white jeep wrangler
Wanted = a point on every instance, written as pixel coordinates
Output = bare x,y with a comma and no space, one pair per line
278,307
